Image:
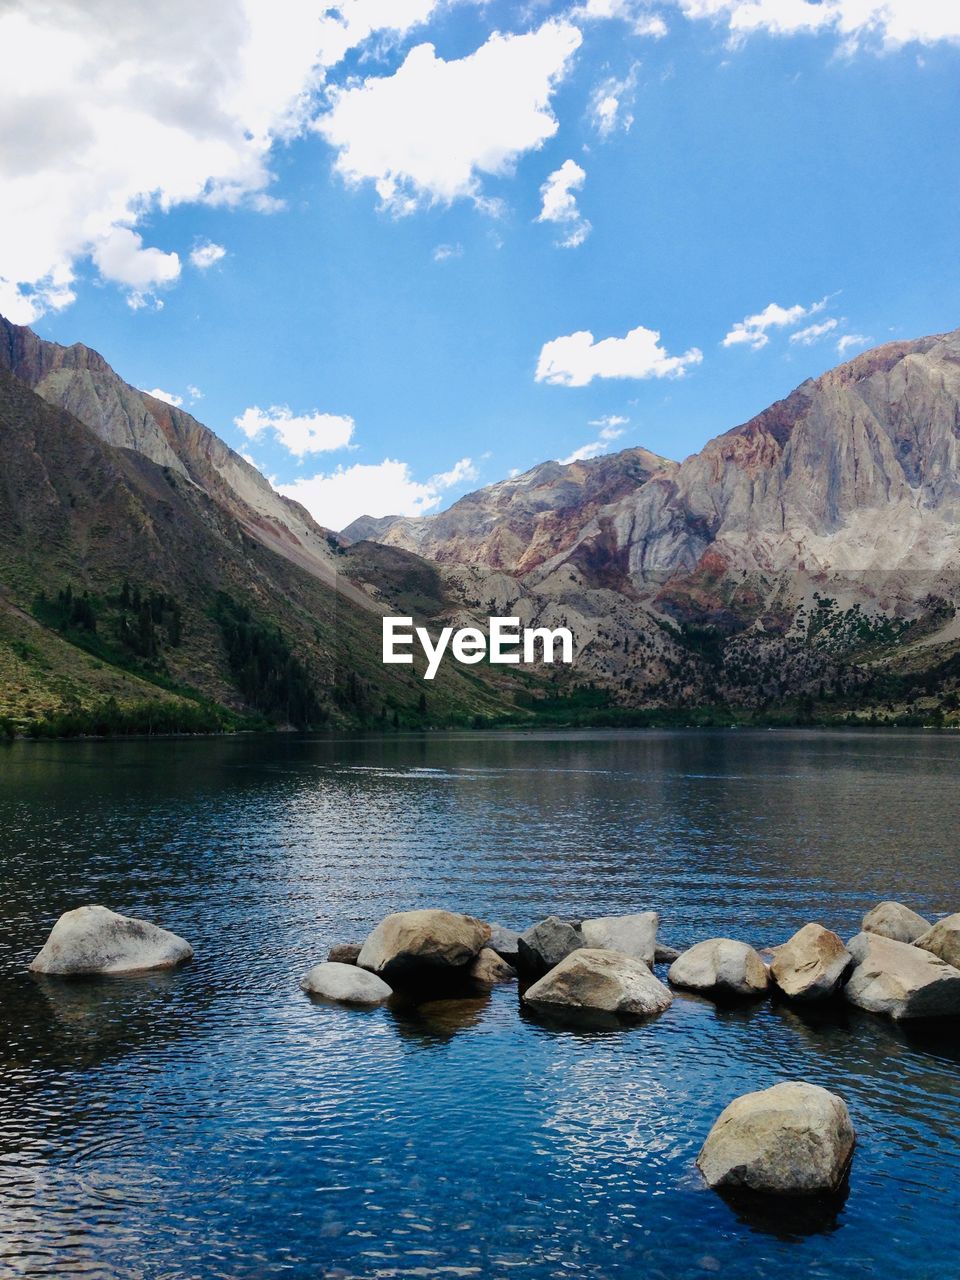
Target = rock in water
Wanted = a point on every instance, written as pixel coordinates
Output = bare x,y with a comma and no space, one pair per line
92,940
720,966
634,935
900,980
590,978
795,1139
346,983
666,955
504,942
811,965
546,944
412,944
491,968
943,940
894,920
344,953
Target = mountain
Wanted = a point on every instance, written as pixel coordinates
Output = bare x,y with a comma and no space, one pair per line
812,550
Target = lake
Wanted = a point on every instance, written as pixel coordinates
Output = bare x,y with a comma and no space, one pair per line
214,1122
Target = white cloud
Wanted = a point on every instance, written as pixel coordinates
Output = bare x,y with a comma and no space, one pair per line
167,396
205,255
559,204
444,252
610,430
637,13
375,489
429,132
752,330
299,434
109,111
814,332
610,422
611,102
121,257
194,392
575,360
888,24
850,341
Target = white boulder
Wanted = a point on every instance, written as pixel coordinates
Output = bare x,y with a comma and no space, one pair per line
608,981
900,980
634,935
333,980
93,940
720,966
811,964
894,920
943,940
409,944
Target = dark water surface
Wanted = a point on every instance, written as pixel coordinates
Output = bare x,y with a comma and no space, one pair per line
216,1123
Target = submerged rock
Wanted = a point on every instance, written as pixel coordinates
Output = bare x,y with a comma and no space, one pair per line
93,939
346,983
943,940
590,978
344,953
412,944
795,1139
894,920
720,966
545,944
900,980
634,935
811,964
491,968
505,942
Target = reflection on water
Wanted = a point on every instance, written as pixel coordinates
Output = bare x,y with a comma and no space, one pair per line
215,1122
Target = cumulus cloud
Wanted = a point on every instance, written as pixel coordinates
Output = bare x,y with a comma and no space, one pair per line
640,16
428,133
850,342
374,489
559,204
299,434
752,331
575,360
108,113
887,24
207,255
168,397
814,332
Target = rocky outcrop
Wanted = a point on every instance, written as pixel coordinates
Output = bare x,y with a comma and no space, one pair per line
795,1139
545,944
409,945
720,967
633,935
345,983
344,953
94,940
811,965
900,980
603,981
490,968
894,920
943,940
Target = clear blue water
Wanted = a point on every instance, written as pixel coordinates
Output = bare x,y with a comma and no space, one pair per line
215,1122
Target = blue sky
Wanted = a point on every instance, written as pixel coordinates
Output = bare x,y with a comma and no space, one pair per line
377,263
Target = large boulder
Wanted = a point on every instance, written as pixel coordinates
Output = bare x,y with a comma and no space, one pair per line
505,942
545,944
608,981
634,935
93,939
900,980
721,967
811,964
490,968
346,983
795,1139
894,920
409,945
943,940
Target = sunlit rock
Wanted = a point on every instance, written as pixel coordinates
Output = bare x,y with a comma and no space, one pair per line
93,939
721,967
590,978
412,944
811,964
943,940
345,983
634,935
491,968
795,1139
894,920
900,980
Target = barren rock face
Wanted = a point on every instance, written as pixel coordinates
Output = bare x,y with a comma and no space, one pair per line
811,964
345,983
602,980
634,935
795,1139
93,940
720,966
943,940
411,942
900,980
894,920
